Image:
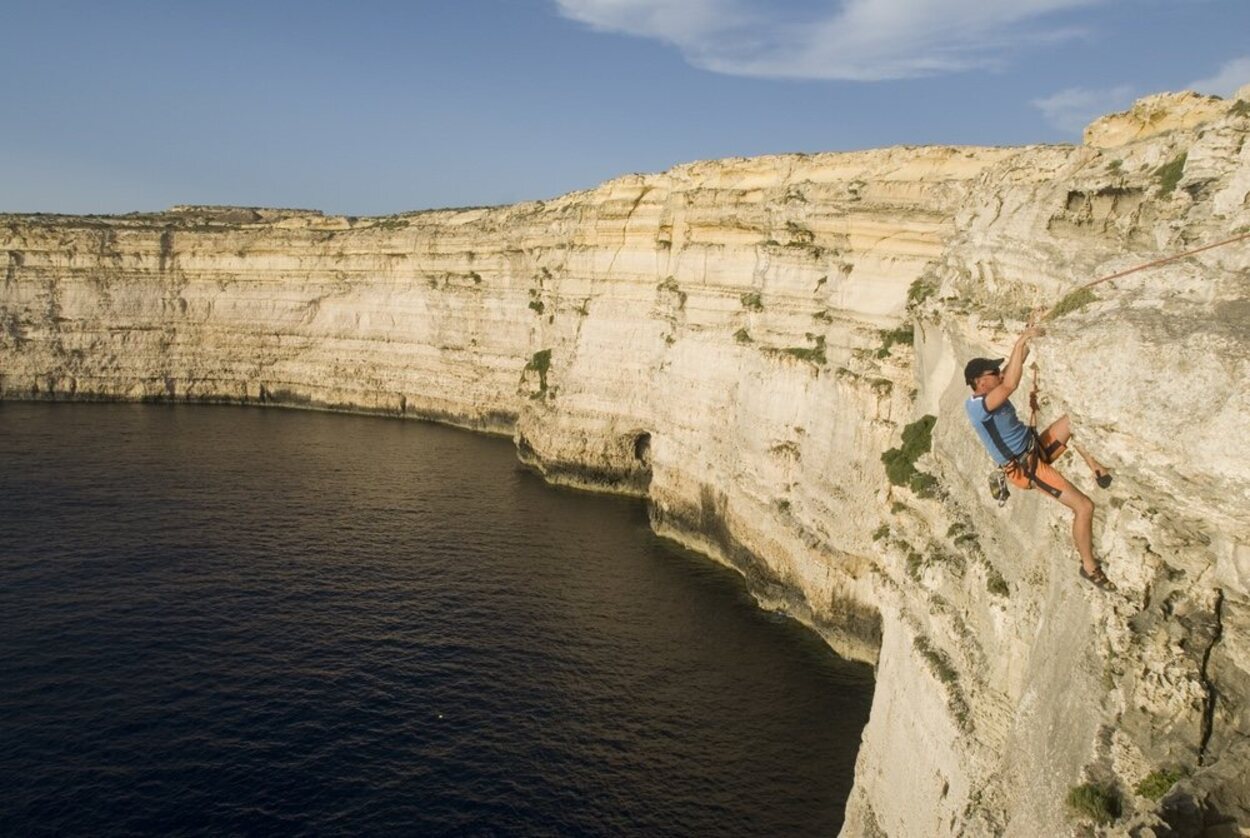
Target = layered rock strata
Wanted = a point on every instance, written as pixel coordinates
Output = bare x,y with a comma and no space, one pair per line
740,341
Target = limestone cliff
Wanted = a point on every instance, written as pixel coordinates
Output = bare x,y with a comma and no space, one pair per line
740,341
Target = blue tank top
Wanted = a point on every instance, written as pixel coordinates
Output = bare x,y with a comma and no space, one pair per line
1001,431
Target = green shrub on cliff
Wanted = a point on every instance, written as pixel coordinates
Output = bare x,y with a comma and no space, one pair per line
1169,174
814,354
900,463
1073,301
944,670
905,335
1156,784
752,301
938,661
540,363
924,485
921,290
994,581
1094,802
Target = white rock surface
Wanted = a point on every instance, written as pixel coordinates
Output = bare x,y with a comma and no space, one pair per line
715,337
1155,115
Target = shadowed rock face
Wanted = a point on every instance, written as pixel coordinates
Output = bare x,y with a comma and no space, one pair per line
740,341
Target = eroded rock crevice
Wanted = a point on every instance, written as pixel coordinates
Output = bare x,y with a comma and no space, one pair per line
1213,696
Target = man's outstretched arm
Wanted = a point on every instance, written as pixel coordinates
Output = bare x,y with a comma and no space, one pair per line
1014,370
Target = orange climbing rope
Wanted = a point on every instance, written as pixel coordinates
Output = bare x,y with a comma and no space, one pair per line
1033,394
1153,264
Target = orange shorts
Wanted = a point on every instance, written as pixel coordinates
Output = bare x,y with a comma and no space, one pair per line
1044,451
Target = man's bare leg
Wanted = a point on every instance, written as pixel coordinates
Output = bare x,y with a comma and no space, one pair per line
1061,430
1097,468
1082,521
1082,525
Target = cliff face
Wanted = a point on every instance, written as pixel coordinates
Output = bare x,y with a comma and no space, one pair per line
741,341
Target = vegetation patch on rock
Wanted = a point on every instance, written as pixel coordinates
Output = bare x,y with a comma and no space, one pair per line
1169,174
940,664
900,463
1156,784
994,581
921,290
905,335
1072,301
752,301
540,363
815,353
1094,802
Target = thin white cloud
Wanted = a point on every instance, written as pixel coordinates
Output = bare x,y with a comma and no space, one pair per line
860,40
676,21
1231,75
1072,109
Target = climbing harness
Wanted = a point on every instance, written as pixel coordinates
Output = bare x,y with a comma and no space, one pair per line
1026,461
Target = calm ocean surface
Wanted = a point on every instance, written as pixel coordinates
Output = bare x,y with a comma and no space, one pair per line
222,620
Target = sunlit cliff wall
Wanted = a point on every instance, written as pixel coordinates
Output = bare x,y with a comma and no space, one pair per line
740,341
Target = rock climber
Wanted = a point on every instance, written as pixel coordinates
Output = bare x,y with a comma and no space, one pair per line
1024,455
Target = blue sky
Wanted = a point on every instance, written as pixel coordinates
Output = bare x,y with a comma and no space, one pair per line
377,107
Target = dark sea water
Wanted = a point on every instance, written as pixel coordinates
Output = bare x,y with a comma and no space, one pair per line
239,621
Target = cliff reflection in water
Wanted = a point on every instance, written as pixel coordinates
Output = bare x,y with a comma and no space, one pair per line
240,620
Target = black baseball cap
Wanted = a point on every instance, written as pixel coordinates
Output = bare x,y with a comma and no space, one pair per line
979,366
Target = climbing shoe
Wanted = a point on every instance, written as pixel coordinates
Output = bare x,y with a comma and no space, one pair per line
1103,479
1098,579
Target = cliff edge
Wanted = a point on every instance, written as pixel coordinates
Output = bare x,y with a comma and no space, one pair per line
741,341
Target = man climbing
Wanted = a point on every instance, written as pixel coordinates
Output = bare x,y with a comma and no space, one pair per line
1025,455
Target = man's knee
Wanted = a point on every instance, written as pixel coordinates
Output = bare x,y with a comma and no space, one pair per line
1077,501
1061,428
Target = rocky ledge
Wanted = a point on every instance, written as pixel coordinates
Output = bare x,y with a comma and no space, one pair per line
741,341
